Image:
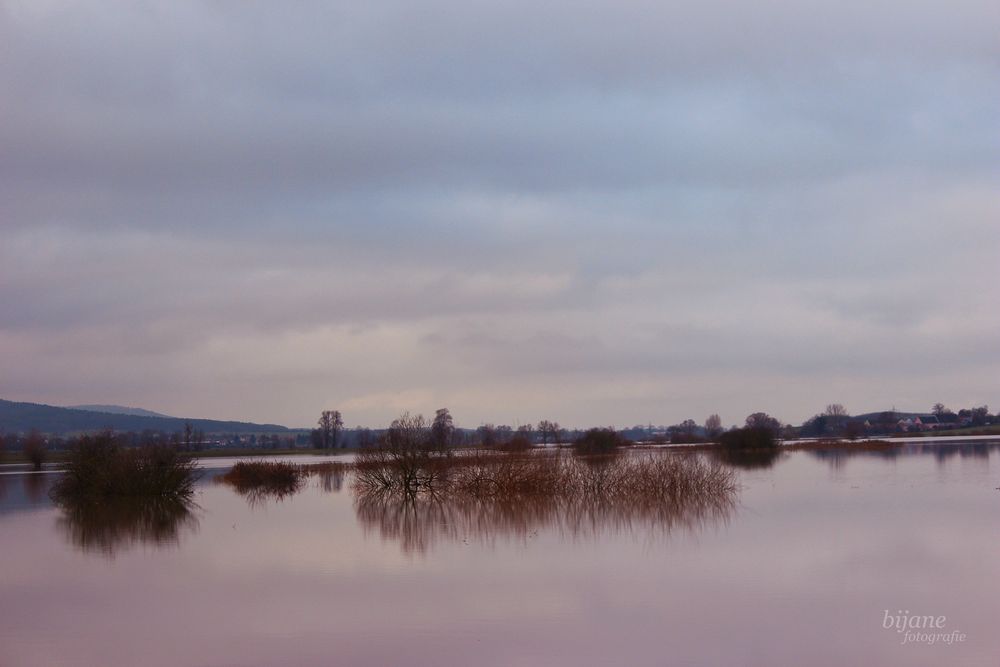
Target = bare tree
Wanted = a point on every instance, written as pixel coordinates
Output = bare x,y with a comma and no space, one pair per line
939,409
330,426
365,438
548,429
763,420
188,436
503,434
487,435
980,415
405,458
835,410
713,426
407,433
442,429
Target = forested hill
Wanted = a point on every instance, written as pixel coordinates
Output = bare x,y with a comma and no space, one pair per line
119,410
21,417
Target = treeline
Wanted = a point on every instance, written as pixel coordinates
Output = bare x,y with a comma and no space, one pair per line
441,430
833,422
36,448
331,434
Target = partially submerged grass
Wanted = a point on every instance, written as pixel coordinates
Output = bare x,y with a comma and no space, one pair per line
486,493
417,494
547,472
485,496
260,480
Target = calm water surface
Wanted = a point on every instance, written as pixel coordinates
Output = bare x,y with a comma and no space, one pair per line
800,570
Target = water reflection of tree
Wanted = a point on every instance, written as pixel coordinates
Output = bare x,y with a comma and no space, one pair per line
417,520
331,479
36,487
748,459
260,482
114,526
259,496
837,457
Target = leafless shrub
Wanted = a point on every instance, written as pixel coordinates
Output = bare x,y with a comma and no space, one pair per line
113,496
100,469
405,459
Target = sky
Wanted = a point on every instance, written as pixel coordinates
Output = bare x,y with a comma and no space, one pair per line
599,213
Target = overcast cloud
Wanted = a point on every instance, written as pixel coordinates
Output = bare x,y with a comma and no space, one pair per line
594,212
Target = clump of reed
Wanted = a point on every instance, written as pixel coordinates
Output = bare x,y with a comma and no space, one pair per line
99,469
649,476
513,474
259,480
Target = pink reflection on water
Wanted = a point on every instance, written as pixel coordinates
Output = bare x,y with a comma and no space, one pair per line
800,574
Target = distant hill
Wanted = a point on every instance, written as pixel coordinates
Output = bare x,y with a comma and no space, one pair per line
119,410
21,417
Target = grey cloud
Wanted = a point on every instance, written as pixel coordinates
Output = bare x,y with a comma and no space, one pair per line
637,204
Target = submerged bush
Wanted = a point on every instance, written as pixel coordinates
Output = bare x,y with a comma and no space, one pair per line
749,447
599,441
749,438
100,469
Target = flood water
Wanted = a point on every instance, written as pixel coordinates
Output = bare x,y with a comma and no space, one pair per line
800,569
